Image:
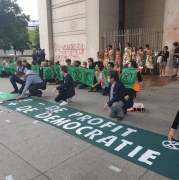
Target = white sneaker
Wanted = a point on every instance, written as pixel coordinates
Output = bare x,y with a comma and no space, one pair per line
163,75
160,75
69,100
64,103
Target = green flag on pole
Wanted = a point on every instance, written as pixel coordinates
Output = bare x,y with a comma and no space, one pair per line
128,77
0,68
57,70
48,73
106,75
77,74
7,70
89,76
13,67
35,68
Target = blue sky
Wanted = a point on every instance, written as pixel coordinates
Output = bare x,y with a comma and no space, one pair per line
29,7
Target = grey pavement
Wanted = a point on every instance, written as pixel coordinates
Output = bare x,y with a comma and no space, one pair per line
42,152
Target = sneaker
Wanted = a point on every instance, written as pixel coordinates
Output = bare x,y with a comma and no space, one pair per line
163,75
120,118
173,77
69,100
160,75
39,95
64,103
14,92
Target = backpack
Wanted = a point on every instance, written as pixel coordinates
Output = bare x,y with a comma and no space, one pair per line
42,54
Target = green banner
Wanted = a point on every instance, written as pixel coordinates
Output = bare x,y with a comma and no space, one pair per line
57,70
35,68
48,73
69,69
77,74
0,68
7,70
13,67
147,149
128,77
89,76
5,95
106,75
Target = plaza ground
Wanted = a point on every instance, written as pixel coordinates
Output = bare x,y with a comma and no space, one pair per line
42,152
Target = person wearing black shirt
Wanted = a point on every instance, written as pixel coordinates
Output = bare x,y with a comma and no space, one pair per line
26,64
165,55
174,127
175,60
91,63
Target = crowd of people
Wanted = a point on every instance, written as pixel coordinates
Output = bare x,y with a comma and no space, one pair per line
120,98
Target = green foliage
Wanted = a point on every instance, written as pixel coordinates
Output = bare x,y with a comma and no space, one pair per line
37,39
13,26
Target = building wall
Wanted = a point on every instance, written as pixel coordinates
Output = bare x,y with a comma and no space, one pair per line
171,30
144,13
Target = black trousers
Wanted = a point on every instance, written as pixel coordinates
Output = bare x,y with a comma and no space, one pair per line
4,74
62,95
34,88
15,80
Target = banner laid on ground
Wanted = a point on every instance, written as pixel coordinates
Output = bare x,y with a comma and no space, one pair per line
147,149
5,95
128,77
13,67
35,68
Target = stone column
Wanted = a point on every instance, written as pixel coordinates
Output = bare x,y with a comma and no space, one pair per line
171,30
45,28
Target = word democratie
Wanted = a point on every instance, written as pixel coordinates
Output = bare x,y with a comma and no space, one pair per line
97,134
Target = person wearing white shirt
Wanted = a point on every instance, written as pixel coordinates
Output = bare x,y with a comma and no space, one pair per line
14,79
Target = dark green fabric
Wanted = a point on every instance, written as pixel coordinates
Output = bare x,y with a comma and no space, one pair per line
69,70
164,162
35,68
7,70
13,67
106,75
89,76
48,73
77,74
128,77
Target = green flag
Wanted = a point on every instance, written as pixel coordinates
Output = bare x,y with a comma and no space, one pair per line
89,76
69,70
128,77
106,75
57,70
48,73
77,74
35,68
0,68
7,69
13,67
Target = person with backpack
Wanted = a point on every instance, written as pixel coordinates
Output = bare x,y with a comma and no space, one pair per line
14,79
33,83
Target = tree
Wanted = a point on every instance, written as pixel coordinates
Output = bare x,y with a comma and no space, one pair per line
11,17
37,40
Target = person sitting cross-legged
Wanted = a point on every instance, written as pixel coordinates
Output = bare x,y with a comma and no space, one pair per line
33,83
117,97
66,91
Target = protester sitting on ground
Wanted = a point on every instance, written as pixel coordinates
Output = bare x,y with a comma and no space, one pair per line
33,63
91,63
33,83
163,63
50,63
46,63
174,127
82,85
68,62
3,70
66,91
117,93
34,55
26,64
175,59
57,63
103,82
98,77
14,79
